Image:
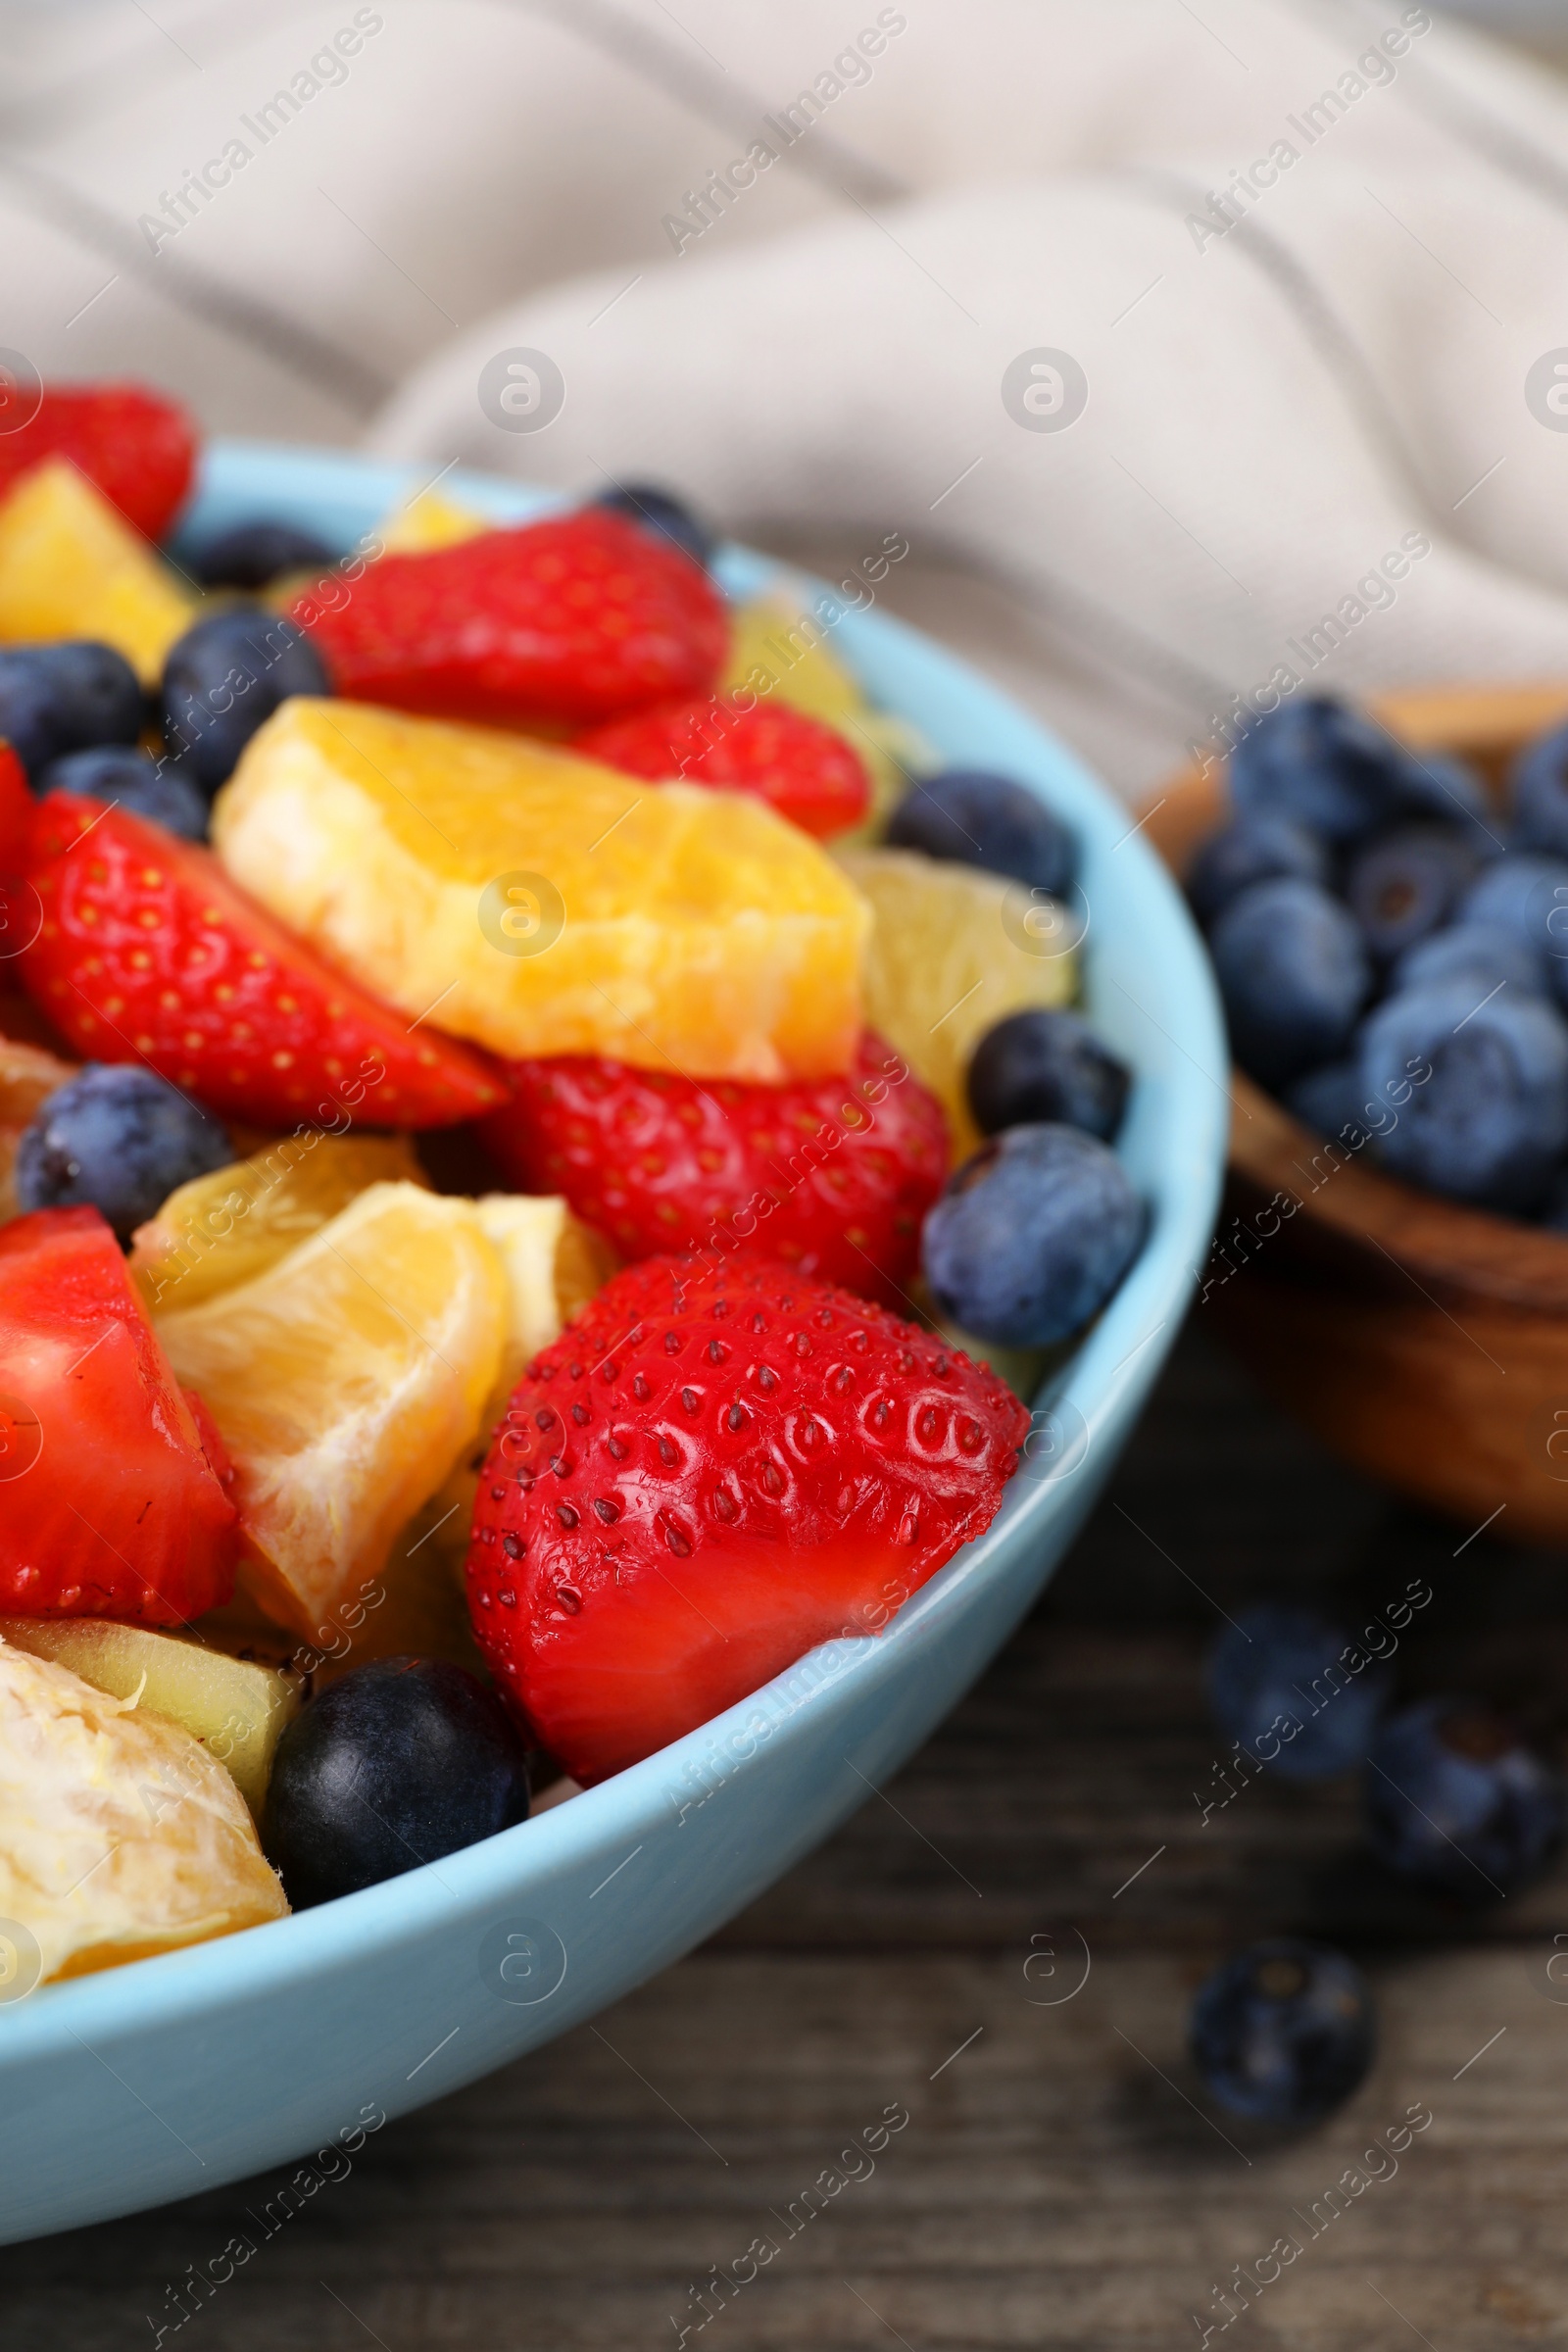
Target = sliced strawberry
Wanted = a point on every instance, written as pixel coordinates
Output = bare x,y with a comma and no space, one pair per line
111,1503
560,622
149,953
799,766
16,825
139,448
832,1175
709,1473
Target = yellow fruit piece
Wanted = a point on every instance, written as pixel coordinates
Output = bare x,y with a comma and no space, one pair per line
345,1382
554,1264
235,1708
71,565
953,951
221,1230
120,1834
546,905
779,651
429,520
29,1076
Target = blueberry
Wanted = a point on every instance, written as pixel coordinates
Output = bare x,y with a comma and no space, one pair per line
224,677
1031,1236
1285,2032
1482,954
1490,1122
1250,849
1331,1103
1526,895
253,553
1541,795
661,512
1447,790
1403,884
1326,767
66,697
116,772
118,1138
1041,1067
394,1764
1275,1661
979,820
1455,1800
1293,974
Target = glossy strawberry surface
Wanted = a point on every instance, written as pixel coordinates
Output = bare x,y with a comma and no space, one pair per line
804,769
831,1175
149,953
137,447
557,623
113,1499
713,1470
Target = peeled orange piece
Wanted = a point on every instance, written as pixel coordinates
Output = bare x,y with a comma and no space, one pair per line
346,1381
71,565
426,520
955,950
540,904
120,1834
223,1229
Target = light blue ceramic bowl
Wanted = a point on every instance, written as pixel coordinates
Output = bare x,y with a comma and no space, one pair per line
153,2081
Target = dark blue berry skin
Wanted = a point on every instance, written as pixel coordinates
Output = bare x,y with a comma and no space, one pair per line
1440,787
1455,1800
1041,1067
223,678
254,553
661,512
1251,848
128,777
1541,795
1293,972
1331,1103
1326,767
66,697
1276,1661
1031,1236
1527,896
118,1138
975,818
394,1764
1403,885
1481,953
1491,1122
1284,2032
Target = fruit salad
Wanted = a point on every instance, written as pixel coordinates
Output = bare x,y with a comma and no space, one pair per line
1393,951
544,1143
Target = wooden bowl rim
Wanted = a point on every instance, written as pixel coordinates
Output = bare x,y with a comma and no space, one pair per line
1433,1243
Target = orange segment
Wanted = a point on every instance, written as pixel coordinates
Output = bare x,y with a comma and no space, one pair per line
71,565
541,903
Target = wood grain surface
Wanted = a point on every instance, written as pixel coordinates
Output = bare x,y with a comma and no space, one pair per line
1060,2180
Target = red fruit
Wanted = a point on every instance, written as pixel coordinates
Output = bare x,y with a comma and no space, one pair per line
111,1502
138,448
803,769
17,804
560,622
832,1175
148,953
713,1471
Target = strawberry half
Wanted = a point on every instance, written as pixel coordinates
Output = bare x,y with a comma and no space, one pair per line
560,622
139,449
710,1472
801,767
832,1175
149,953
111,1482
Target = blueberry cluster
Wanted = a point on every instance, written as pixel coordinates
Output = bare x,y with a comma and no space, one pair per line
1393,953
1454,1802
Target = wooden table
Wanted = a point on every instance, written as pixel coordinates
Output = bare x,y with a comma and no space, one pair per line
1059,2181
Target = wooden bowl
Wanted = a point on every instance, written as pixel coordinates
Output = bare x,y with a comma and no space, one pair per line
1426,1343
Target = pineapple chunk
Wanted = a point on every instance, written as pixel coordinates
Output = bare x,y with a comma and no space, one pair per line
221,1230
429,520
237,1710
120,1834
71,565
29,1076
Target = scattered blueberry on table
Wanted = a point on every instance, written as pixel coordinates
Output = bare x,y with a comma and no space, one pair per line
1455,1801
1283,2033
1281,1670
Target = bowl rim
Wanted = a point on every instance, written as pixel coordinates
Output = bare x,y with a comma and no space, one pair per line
1464,1251
1086,1400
